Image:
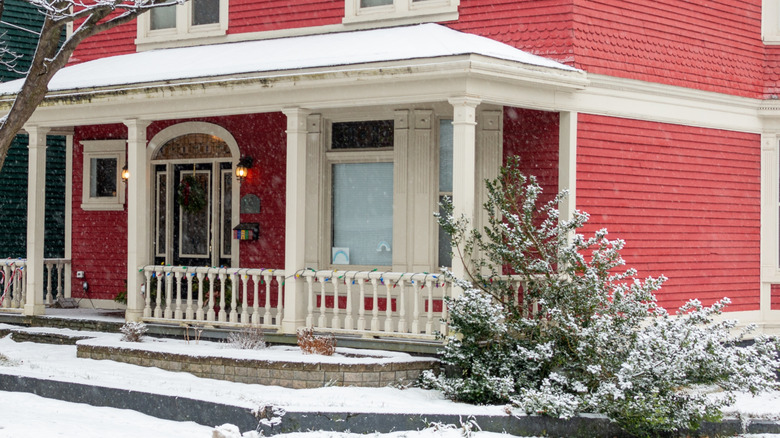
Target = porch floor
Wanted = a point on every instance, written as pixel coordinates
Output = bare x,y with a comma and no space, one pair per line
102,320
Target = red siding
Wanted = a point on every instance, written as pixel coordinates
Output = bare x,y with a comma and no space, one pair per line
775,297
686,200
256,16
540,27
100,237
710,45
533,136
99,242
261,136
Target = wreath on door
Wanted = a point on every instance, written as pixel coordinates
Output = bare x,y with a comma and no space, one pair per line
192,195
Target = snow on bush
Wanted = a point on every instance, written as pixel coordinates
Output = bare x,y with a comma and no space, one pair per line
582,334
133,331
250,338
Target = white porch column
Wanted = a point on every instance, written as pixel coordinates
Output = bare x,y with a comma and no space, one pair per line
567,163
295,219
464,165
36,201
137,216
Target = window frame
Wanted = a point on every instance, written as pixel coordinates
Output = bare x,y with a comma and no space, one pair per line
402,11
184,29
99,149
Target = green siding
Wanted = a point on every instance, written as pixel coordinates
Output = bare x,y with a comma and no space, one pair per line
13,199
13,176
19,14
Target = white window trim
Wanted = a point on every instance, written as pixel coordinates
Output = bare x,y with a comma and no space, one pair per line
184,30
770,21
402,12
103,149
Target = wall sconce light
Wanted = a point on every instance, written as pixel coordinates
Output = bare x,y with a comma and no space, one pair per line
242,168
125,174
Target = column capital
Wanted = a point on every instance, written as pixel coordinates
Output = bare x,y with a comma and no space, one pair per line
296,119
464,101
137,123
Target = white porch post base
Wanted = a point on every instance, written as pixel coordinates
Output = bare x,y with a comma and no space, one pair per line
295,220
137,217
36,198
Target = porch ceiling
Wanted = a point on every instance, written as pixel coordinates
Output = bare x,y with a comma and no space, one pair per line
382,66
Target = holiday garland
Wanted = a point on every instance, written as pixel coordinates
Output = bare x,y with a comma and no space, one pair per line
192,195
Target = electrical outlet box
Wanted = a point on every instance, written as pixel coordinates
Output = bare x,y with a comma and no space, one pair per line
79,274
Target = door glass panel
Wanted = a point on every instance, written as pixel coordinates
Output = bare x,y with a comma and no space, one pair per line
445,186
194,223
227,194
362,213
162,196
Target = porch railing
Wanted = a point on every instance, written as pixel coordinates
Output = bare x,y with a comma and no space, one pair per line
377,303
365,303
216,296
13,282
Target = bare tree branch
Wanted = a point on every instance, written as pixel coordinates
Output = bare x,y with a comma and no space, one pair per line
91,17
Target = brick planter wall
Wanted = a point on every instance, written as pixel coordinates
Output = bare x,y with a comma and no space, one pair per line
296,375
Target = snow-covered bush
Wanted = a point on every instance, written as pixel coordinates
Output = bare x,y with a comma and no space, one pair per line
250,338
133,331
582,334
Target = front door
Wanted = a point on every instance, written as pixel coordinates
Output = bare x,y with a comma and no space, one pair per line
193,213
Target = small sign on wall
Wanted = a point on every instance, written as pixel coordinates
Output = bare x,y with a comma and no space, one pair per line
246,231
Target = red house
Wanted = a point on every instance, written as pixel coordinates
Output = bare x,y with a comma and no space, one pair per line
347,120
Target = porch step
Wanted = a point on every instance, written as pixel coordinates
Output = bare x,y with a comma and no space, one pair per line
42,335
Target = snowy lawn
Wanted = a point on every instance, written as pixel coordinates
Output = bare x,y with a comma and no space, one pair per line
59,362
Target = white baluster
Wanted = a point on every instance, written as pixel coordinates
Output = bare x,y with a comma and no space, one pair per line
389,307
190,311
375,309
279,299
349,323
160,291
321,320
245,302
147,294
61,280
179,314
256,302
222,315
429,322
199,314
210,315
417,293
361,324
310,306
7,289
401,286
336,320
267,279
168,312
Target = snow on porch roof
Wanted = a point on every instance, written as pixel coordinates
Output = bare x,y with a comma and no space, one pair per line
314,51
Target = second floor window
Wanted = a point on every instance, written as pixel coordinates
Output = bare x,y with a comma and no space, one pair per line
400,10
193,19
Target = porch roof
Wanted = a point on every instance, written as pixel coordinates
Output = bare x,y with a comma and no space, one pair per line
424,41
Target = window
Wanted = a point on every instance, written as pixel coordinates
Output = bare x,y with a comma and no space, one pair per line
445,186
402,11
102,188
361,165
193,19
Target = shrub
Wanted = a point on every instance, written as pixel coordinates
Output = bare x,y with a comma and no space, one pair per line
133,331
316,344
250,338
583,333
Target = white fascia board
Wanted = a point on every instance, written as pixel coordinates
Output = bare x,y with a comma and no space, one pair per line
639,100
387,83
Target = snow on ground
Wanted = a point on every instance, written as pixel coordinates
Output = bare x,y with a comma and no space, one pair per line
59,362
